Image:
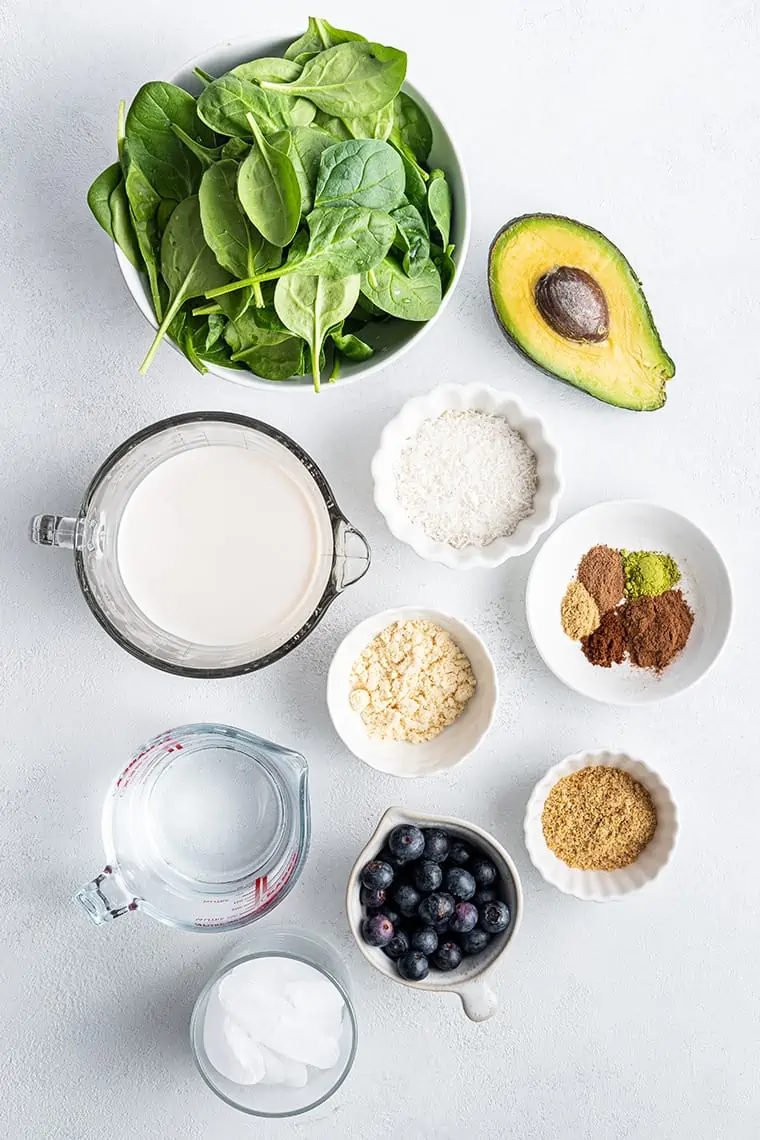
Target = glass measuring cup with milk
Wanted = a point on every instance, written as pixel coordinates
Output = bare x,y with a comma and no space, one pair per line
209,544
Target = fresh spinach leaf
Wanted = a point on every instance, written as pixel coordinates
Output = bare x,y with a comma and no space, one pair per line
413,238
410,298
121,224
318,36
205,154
439,204
378,125
144,202
166,162
444,263
188,266
268,190
166,208
414,186
237,245
304,147
268,67
411,127
349,78
99,194
277,361
360,172
235,148
226,103
333,125
351,346
311,306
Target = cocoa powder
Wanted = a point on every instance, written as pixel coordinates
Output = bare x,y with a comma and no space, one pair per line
606,646
656,629
601,572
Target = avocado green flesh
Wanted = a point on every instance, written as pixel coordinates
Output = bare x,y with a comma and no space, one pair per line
630,367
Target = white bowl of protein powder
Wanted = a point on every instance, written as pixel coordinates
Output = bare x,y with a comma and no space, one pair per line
467,476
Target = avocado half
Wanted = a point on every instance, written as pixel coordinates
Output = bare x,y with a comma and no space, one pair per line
568,300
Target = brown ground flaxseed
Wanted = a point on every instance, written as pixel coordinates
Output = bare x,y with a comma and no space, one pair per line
598,819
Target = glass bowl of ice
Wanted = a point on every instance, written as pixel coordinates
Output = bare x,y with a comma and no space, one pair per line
274,1030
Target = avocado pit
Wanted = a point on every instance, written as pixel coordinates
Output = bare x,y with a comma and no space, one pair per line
573,304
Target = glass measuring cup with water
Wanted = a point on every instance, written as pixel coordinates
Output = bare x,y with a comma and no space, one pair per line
220,524
206,828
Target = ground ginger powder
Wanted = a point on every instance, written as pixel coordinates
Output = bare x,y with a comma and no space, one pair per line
598,819
579,612
411,682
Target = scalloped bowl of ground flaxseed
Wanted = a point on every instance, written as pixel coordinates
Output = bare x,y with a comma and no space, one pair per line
603,885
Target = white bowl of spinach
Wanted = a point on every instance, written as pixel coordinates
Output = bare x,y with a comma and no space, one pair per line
286,212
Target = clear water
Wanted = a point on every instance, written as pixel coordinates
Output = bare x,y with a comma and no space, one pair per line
213,816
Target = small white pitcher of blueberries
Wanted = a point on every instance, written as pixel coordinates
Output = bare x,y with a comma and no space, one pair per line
437,905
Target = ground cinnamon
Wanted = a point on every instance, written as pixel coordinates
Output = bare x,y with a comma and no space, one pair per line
606,646
656,629
601,572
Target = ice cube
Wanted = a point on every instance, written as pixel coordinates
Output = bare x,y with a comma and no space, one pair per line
318,1000
256,1009
245,1049
299,1039
296,1074
218,1048
274,1065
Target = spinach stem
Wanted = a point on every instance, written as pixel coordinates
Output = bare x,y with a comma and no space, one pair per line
163,328
315,365
258,296
207,310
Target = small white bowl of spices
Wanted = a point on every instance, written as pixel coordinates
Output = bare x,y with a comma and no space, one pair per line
600,825
412,691
467,476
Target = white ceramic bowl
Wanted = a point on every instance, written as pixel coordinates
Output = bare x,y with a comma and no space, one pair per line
631,525
464,397
451,746
470,979
390,339
602,886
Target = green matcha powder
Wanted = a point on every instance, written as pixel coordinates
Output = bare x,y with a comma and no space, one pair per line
648,573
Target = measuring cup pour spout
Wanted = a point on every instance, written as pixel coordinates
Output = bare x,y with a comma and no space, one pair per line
105,898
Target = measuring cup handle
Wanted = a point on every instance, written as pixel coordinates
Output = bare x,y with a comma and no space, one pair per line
105,898
352,554
56,530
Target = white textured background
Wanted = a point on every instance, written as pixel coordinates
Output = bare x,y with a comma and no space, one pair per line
637,1020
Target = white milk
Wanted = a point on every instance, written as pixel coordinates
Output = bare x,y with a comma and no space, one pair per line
221,545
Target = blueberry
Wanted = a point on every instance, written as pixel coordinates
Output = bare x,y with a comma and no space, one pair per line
494,917
377,875
424,939
484,895
392,914
406,842
413,966
372,900
441,927
427,876
459,883
377,930
483,872
435,908
474,941
436,844
387,856
398,945
407,899
447,956
465,917
459,853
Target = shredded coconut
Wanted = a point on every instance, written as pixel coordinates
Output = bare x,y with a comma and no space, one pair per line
467,478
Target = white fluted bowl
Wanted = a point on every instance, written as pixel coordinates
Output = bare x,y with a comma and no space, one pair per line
460,398
603,886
